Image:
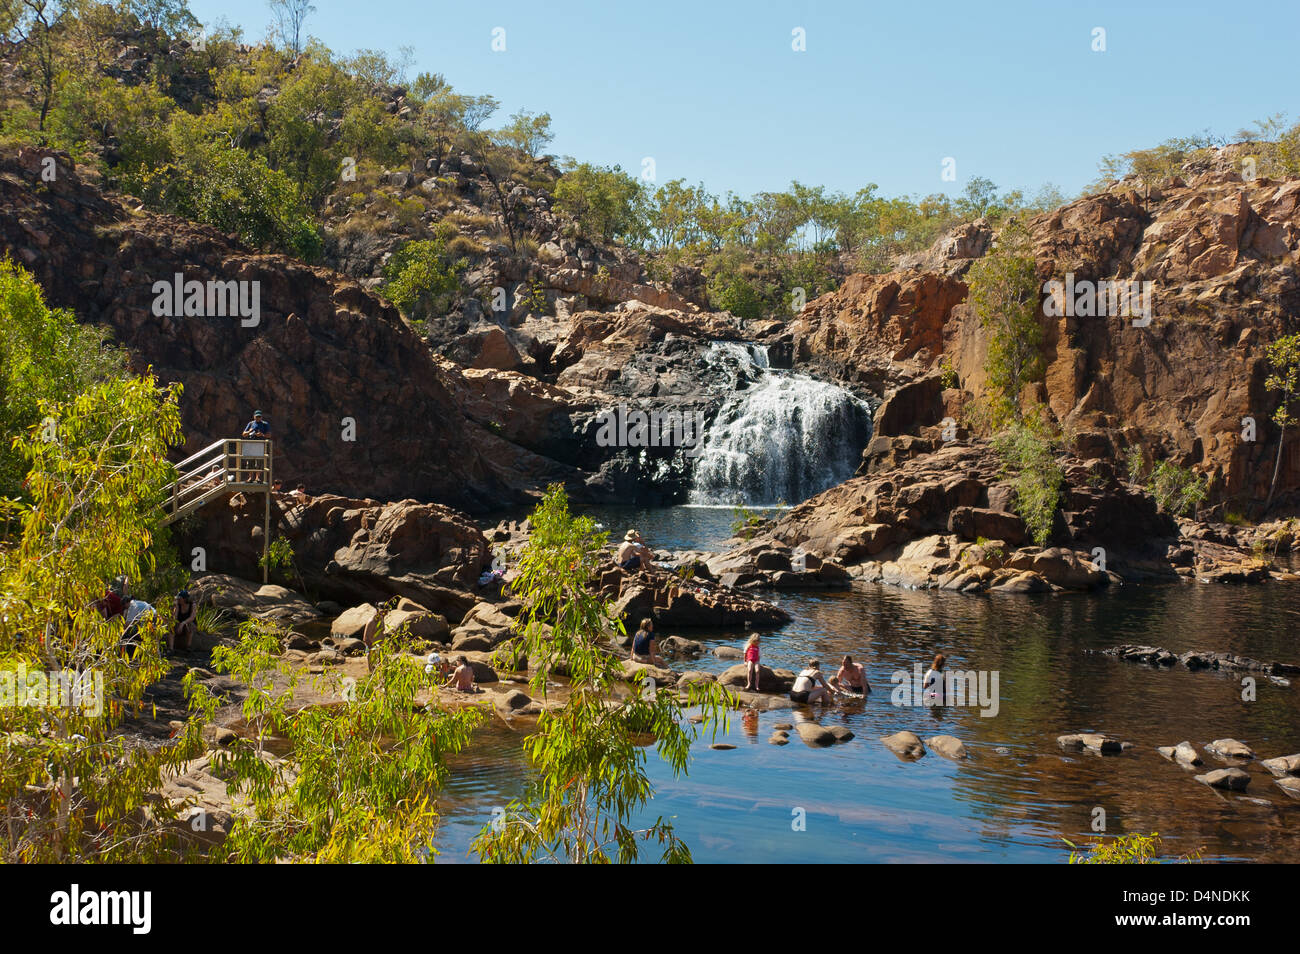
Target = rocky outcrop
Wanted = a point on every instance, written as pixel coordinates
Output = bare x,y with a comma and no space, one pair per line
355,401
353,551
1221,254
1199,659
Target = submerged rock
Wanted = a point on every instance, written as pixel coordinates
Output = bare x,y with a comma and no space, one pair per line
948,746
1230,749
1093,741
1283,765
906,745
1233,779
778,738
814,735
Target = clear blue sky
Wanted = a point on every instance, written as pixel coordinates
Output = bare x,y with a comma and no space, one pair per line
713,91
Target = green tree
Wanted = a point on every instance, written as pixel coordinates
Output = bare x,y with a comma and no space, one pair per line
46,358
528,133
1005,294
420,280
72,786
1283,357
607,202
1028,450
588,755
358,781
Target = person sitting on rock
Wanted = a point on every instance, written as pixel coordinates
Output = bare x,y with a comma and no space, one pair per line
185,626
633,554
645,648
851,679
810,685
751,664
932,683
462,680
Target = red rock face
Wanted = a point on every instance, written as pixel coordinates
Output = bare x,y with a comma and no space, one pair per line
324,350
1222,257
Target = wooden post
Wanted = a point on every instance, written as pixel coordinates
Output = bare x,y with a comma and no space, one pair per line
266,525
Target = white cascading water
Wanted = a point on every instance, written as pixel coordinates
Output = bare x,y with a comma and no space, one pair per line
783,438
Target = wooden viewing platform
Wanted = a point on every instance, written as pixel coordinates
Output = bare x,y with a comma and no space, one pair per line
231,465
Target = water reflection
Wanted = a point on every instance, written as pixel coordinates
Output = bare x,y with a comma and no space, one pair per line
1018,794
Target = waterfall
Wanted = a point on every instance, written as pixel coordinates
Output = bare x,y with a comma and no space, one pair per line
781,436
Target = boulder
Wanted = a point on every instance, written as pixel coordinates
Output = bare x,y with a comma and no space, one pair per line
693,677
778,738
1233,779
769,680
352,622
1283,765
906,745
1230,749
1095,742
1183,753
483,627
728,652
419,622
842,733
948,746
1289,784
515,700
814,735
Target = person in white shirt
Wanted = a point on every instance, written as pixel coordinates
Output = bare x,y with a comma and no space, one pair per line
932,685
137,612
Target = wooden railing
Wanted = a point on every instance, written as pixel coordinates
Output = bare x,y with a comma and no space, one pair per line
227,466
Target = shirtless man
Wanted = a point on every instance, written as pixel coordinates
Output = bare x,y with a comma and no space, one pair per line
851,679
633,554
462,680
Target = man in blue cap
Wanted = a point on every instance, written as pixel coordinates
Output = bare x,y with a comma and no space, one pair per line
258,427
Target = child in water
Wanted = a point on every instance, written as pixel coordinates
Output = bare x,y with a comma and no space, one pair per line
932,684
751,664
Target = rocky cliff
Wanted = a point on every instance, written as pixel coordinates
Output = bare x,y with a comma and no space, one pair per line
357,403
1221,254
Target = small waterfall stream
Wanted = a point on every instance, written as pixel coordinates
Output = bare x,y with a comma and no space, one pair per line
783,436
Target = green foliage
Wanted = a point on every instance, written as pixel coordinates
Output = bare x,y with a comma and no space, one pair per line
420,280
607,202
948,376
46,357
745,522
358,780
528,133
737,295
1162,162
1121,850
210,621
279,555
1029,453
1005,293
589,755
1176,489
73,787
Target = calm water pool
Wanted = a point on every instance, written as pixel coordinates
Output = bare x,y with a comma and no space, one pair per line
861,803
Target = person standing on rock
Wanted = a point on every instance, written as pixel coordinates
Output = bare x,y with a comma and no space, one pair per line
645,648
932,683
751,664
810,685
851,679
